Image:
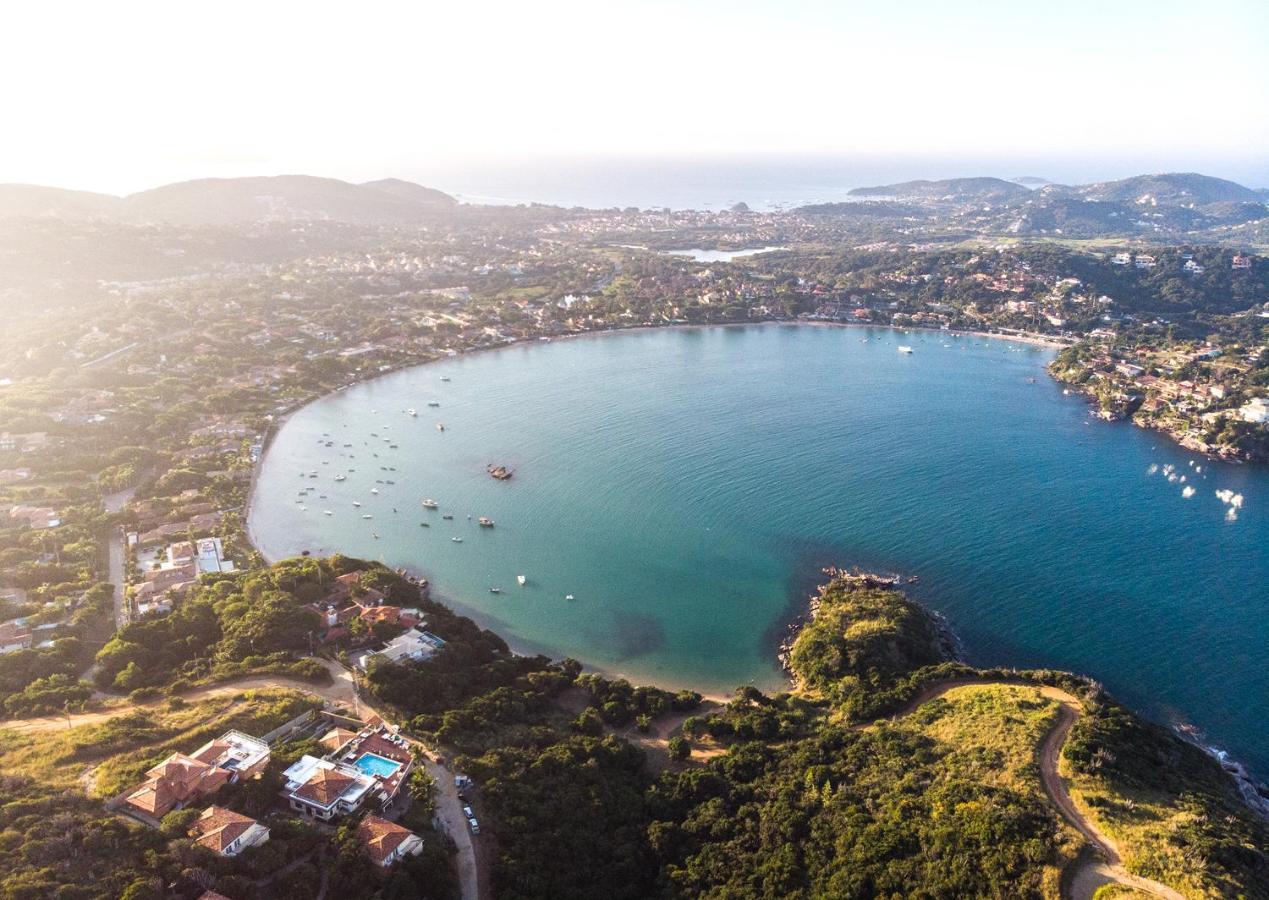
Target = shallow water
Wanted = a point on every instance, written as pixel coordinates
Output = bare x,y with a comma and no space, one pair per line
687,485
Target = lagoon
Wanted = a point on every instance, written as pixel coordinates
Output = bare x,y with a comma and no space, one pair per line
687,486
696,254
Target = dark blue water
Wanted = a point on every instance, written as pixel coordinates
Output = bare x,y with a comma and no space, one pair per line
685,486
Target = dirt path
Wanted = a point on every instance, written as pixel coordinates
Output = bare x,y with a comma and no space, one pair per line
341,690
1090,872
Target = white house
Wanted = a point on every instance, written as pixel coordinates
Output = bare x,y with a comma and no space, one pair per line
326,790
1255,411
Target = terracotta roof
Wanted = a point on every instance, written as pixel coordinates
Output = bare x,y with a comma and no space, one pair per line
212,751
175,781
337,737
155,797
324,787
373,743
382,837
217,827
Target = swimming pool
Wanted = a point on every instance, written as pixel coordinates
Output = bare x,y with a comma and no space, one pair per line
378,766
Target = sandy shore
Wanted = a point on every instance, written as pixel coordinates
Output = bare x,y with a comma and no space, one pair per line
485,620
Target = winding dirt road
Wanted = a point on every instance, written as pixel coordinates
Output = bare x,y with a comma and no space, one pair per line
1089,872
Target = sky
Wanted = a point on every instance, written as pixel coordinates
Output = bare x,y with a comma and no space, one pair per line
122,96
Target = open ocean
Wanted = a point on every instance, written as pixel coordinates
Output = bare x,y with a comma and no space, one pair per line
687,486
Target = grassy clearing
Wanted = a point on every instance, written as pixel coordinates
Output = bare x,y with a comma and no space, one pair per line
118,751
992,732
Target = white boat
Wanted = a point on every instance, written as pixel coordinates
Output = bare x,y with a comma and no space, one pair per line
327,512
341,477
444,378
569,597
456,540
413,413
367,516
356,503
374,490
429,503
521,579
433,403
905,349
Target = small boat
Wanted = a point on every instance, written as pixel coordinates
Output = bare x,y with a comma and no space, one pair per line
495,590
444,378
356,503
447,516
440,426
424,525
521,579
374,490
500,473
456,540
412,413
433,403
327,512
569,597
429,503
485,522
341,477
367,516
375,535
905,349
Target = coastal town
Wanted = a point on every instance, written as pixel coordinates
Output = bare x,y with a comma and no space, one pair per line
134,413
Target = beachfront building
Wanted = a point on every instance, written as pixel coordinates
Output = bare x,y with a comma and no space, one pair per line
415,644
386,842
226,832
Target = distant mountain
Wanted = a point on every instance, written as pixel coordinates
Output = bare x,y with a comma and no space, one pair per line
235,201
34,200
228,201
993,190
859,210
408,190
1173,189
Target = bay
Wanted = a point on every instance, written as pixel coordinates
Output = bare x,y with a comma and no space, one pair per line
687,485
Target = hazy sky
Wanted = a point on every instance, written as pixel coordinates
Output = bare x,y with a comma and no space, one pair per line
119,96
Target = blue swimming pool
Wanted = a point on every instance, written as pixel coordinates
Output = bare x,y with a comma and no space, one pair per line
378,766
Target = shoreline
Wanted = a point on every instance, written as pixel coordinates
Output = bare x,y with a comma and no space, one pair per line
777,631
782,631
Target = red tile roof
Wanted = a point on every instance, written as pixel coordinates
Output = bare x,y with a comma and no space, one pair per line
324,787
382,837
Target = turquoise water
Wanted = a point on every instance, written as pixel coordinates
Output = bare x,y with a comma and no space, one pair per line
379,766
686,486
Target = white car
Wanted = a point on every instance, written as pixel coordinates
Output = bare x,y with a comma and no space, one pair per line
467,811
475,826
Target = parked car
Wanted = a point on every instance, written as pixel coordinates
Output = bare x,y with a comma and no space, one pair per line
467,811
475,826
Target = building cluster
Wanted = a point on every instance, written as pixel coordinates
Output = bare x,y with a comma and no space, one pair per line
364,770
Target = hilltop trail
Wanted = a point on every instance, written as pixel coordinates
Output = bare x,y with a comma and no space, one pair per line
1089,872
